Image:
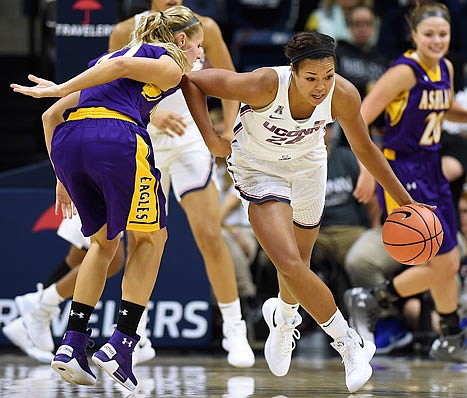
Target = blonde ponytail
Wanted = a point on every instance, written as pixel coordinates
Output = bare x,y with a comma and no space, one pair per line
159,28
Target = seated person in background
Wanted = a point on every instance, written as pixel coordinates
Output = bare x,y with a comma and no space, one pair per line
368,264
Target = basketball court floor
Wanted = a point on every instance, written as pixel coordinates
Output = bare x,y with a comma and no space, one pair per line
316,371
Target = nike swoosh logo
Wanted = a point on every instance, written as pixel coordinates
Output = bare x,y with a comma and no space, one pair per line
406,213
273,320
361,342
273,117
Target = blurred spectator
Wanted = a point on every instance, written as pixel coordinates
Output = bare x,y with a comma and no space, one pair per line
331,18
359,60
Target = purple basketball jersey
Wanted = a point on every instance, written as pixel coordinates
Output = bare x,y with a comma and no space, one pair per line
412,143
103,153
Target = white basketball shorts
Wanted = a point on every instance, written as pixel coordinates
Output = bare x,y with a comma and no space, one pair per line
186,168
300,182
70,230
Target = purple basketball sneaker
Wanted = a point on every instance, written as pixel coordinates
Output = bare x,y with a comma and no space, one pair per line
71,362
115,358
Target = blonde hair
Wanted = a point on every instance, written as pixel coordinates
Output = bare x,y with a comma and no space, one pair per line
160,28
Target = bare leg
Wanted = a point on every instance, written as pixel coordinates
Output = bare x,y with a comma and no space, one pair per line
290,252
203,213
92,273
66,285
439,276
144,257
75,256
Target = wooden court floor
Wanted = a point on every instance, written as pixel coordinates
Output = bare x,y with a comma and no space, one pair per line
314,373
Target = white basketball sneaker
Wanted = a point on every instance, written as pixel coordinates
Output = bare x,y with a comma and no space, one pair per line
236,344
16,333
28,302
37,318
144,351
356,354
281,340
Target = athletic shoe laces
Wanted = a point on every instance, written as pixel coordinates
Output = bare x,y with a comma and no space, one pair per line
288,335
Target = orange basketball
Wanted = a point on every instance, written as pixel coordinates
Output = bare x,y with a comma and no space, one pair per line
412,234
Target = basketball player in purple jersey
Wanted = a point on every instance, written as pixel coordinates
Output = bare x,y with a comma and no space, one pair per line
417,94
104,163
186,165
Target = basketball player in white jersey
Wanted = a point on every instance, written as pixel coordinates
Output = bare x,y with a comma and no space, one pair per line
278,164
187,165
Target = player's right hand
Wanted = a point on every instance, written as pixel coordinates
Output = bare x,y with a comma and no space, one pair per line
63,202
43,88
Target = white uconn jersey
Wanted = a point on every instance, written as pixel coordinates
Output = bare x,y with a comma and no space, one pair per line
175,103
272,134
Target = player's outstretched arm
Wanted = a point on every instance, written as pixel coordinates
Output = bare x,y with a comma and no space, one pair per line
164,72
346,107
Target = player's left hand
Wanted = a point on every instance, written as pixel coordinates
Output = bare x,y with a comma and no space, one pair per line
430,207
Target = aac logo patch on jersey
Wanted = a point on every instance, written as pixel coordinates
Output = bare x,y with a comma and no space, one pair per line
279,110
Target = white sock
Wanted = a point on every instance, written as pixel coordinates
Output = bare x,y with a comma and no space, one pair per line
231,312
288,311
50,296
336,326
